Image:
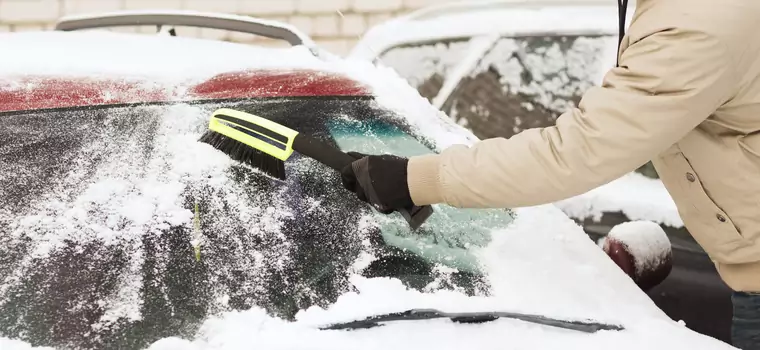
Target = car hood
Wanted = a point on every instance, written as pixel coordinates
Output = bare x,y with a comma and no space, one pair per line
542,263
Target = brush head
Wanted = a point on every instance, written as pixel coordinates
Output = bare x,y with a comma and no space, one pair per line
245,154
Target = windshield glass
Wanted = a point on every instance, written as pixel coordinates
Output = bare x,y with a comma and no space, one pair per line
441,239
99,213
527,82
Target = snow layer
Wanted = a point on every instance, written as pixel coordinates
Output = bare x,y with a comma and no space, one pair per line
646,241
131,55
131,194
635,195
503,18
542,264
11,344
418,63
566,280
556,74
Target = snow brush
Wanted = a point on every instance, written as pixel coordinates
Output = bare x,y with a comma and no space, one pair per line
266,145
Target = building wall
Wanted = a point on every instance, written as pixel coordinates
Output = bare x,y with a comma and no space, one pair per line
334,24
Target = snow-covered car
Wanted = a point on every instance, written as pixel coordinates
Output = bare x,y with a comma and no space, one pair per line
107,193
500,67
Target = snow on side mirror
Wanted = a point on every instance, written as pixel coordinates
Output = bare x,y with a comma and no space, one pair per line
642,250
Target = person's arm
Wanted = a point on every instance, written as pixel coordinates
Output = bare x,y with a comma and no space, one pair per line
666,85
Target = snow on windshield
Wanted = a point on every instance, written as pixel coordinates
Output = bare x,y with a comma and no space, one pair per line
126,182
551,71
542,263
417,64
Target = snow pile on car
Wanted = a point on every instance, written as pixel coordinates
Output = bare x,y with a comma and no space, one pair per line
645,240
633,194
550,272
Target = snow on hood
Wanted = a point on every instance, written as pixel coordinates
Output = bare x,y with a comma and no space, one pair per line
558,271
568,275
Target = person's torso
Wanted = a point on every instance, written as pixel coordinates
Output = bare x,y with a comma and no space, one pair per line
713,173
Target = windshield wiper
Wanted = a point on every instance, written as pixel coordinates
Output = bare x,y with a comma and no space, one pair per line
471,317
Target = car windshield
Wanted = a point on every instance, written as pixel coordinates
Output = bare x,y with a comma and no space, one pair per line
101,206
520,82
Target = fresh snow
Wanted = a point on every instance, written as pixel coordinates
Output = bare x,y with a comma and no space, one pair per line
557,74
568,279
11,344
478,46
542,264
417,64
113,53
500,17
635,195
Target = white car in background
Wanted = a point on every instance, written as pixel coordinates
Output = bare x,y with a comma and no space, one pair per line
498,67
105,189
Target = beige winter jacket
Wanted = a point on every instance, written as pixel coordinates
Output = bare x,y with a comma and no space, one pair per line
686,95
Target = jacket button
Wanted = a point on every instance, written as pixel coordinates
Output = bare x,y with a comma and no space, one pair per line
690,177
721,218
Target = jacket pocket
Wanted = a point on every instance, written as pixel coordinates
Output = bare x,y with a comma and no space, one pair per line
710,226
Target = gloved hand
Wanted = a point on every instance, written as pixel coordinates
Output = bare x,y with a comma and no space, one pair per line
379,180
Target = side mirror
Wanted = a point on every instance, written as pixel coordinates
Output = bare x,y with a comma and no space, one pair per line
642,250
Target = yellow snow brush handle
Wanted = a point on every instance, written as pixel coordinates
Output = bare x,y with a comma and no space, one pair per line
262,134
279,141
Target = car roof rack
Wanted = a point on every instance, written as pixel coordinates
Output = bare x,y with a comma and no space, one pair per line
458,7
237,23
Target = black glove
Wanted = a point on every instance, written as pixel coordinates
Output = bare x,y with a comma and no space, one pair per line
379,180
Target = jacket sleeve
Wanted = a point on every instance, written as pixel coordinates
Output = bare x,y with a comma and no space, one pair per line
667,84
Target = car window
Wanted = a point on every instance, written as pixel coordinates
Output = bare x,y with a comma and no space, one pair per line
97,219
426,65
527,82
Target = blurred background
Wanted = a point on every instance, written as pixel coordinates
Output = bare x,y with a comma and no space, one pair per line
336,25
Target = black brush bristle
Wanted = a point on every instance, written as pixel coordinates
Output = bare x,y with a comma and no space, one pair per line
245,154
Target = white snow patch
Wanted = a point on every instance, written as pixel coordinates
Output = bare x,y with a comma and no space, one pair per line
550,270
12,344
363,261
557,72
417,64
240,329
478,46
645,240
635,195
137,56
501,18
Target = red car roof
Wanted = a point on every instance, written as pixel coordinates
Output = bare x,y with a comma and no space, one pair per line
39,92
